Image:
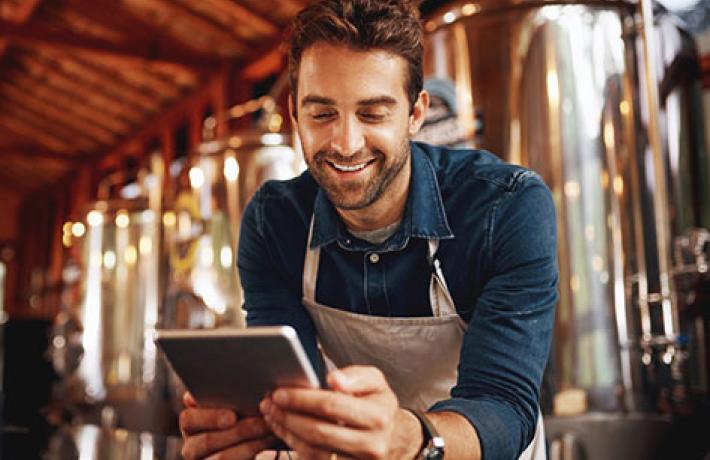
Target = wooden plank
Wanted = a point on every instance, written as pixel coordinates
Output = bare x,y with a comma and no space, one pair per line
21,14
76,141
239,14
136,51
26,152
75,107
30,101
45,74
32,132
94,81
184,24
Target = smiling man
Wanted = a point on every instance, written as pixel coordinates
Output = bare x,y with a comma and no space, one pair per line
426,275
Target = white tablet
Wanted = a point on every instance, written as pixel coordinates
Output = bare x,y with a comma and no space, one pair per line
236,368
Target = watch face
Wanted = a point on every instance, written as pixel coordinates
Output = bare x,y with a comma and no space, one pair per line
433,453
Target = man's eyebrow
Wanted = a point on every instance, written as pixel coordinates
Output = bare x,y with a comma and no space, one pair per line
379,100
316,100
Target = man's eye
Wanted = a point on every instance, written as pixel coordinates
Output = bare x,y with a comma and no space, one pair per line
372,117
323,115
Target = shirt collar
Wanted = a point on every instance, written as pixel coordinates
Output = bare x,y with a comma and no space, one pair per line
424,214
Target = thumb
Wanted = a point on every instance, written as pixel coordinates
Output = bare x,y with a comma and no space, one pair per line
358,380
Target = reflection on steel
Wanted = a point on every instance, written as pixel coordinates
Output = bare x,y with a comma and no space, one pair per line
202,228
103,339
560,87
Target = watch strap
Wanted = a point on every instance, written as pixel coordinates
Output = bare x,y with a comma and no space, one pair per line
433,443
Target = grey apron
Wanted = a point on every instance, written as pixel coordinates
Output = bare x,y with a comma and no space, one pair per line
418,356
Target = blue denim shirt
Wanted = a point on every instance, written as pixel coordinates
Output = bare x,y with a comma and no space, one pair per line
496,226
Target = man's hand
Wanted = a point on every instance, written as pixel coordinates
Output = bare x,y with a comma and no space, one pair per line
218,434
359,417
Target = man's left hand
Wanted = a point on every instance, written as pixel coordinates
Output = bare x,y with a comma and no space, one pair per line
358,417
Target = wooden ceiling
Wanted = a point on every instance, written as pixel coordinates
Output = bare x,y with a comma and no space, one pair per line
79,76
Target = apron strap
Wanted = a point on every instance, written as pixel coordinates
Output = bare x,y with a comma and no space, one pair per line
310,267
439,296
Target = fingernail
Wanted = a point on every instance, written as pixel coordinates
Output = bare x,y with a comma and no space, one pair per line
265,406
341,378
226,420
280,397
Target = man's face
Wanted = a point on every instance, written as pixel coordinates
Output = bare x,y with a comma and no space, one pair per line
354,122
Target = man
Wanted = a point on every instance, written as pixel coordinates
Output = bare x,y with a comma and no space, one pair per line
427,275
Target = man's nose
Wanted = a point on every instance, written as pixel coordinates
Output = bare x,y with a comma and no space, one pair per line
348,137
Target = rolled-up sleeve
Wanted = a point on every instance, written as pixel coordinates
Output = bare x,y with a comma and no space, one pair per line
507,341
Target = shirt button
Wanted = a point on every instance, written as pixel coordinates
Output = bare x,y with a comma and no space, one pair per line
374,258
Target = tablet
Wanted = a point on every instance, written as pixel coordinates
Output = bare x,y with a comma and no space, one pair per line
236,368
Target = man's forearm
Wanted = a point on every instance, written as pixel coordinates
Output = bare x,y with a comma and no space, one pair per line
461,439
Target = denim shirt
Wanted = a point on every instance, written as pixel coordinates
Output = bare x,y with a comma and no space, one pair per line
495,223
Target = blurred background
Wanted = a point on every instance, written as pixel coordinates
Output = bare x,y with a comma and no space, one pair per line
134,132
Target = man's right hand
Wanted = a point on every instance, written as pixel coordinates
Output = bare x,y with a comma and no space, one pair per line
219,434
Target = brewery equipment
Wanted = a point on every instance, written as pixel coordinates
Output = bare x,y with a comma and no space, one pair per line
212,189
564,88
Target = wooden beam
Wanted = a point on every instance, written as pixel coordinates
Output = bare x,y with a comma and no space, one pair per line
197,22
45,74
29,100
54,122
136,51
240,15
30,131
97,82
264,61
28,152
76,141
71,105
20,15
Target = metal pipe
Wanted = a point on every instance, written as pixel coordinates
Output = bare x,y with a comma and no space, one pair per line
660,198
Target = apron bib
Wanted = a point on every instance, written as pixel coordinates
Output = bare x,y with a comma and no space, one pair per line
419,356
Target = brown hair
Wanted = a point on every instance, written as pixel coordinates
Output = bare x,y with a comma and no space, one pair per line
390,25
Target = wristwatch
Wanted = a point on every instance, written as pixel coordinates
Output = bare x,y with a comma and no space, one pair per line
433,444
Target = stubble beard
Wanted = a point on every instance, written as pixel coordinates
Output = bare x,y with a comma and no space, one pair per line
342,194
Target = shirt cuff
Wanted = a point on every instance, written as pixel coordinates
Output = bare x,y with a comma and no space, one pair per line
495,425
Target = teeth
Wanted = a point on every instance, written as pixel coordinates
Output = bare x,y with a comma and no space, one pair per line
349,168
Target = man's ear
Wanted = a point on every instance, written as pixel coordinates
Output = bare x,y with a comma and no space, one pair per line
416,119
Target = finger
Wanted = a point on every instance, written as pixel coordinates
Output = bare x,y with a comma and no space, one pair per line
244,451
325,435
203,444
303,449
331,405
195,420
358,380
188,400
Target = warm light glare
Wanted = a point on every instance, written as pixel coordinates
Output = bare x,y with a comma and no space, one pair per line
449,17
231,169
572,189
109,259
624,107
272,139
130,255
618,185
197,177
169,219
207,256
95,259
470,8
225,257
95,218
145,245
78,229
122,219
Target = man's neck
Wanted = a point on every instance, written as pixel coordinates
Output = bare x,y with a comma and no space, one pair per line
388,209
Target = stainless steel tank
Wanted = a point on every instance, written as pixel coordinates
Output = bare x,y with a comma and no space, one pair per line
558,86
202,228
103,346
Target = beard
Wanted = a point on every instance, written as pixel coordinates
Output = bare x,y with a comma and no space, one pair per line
361,193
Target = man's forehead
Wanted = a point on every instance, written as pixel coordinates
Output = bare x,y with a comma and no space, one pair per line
332,71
